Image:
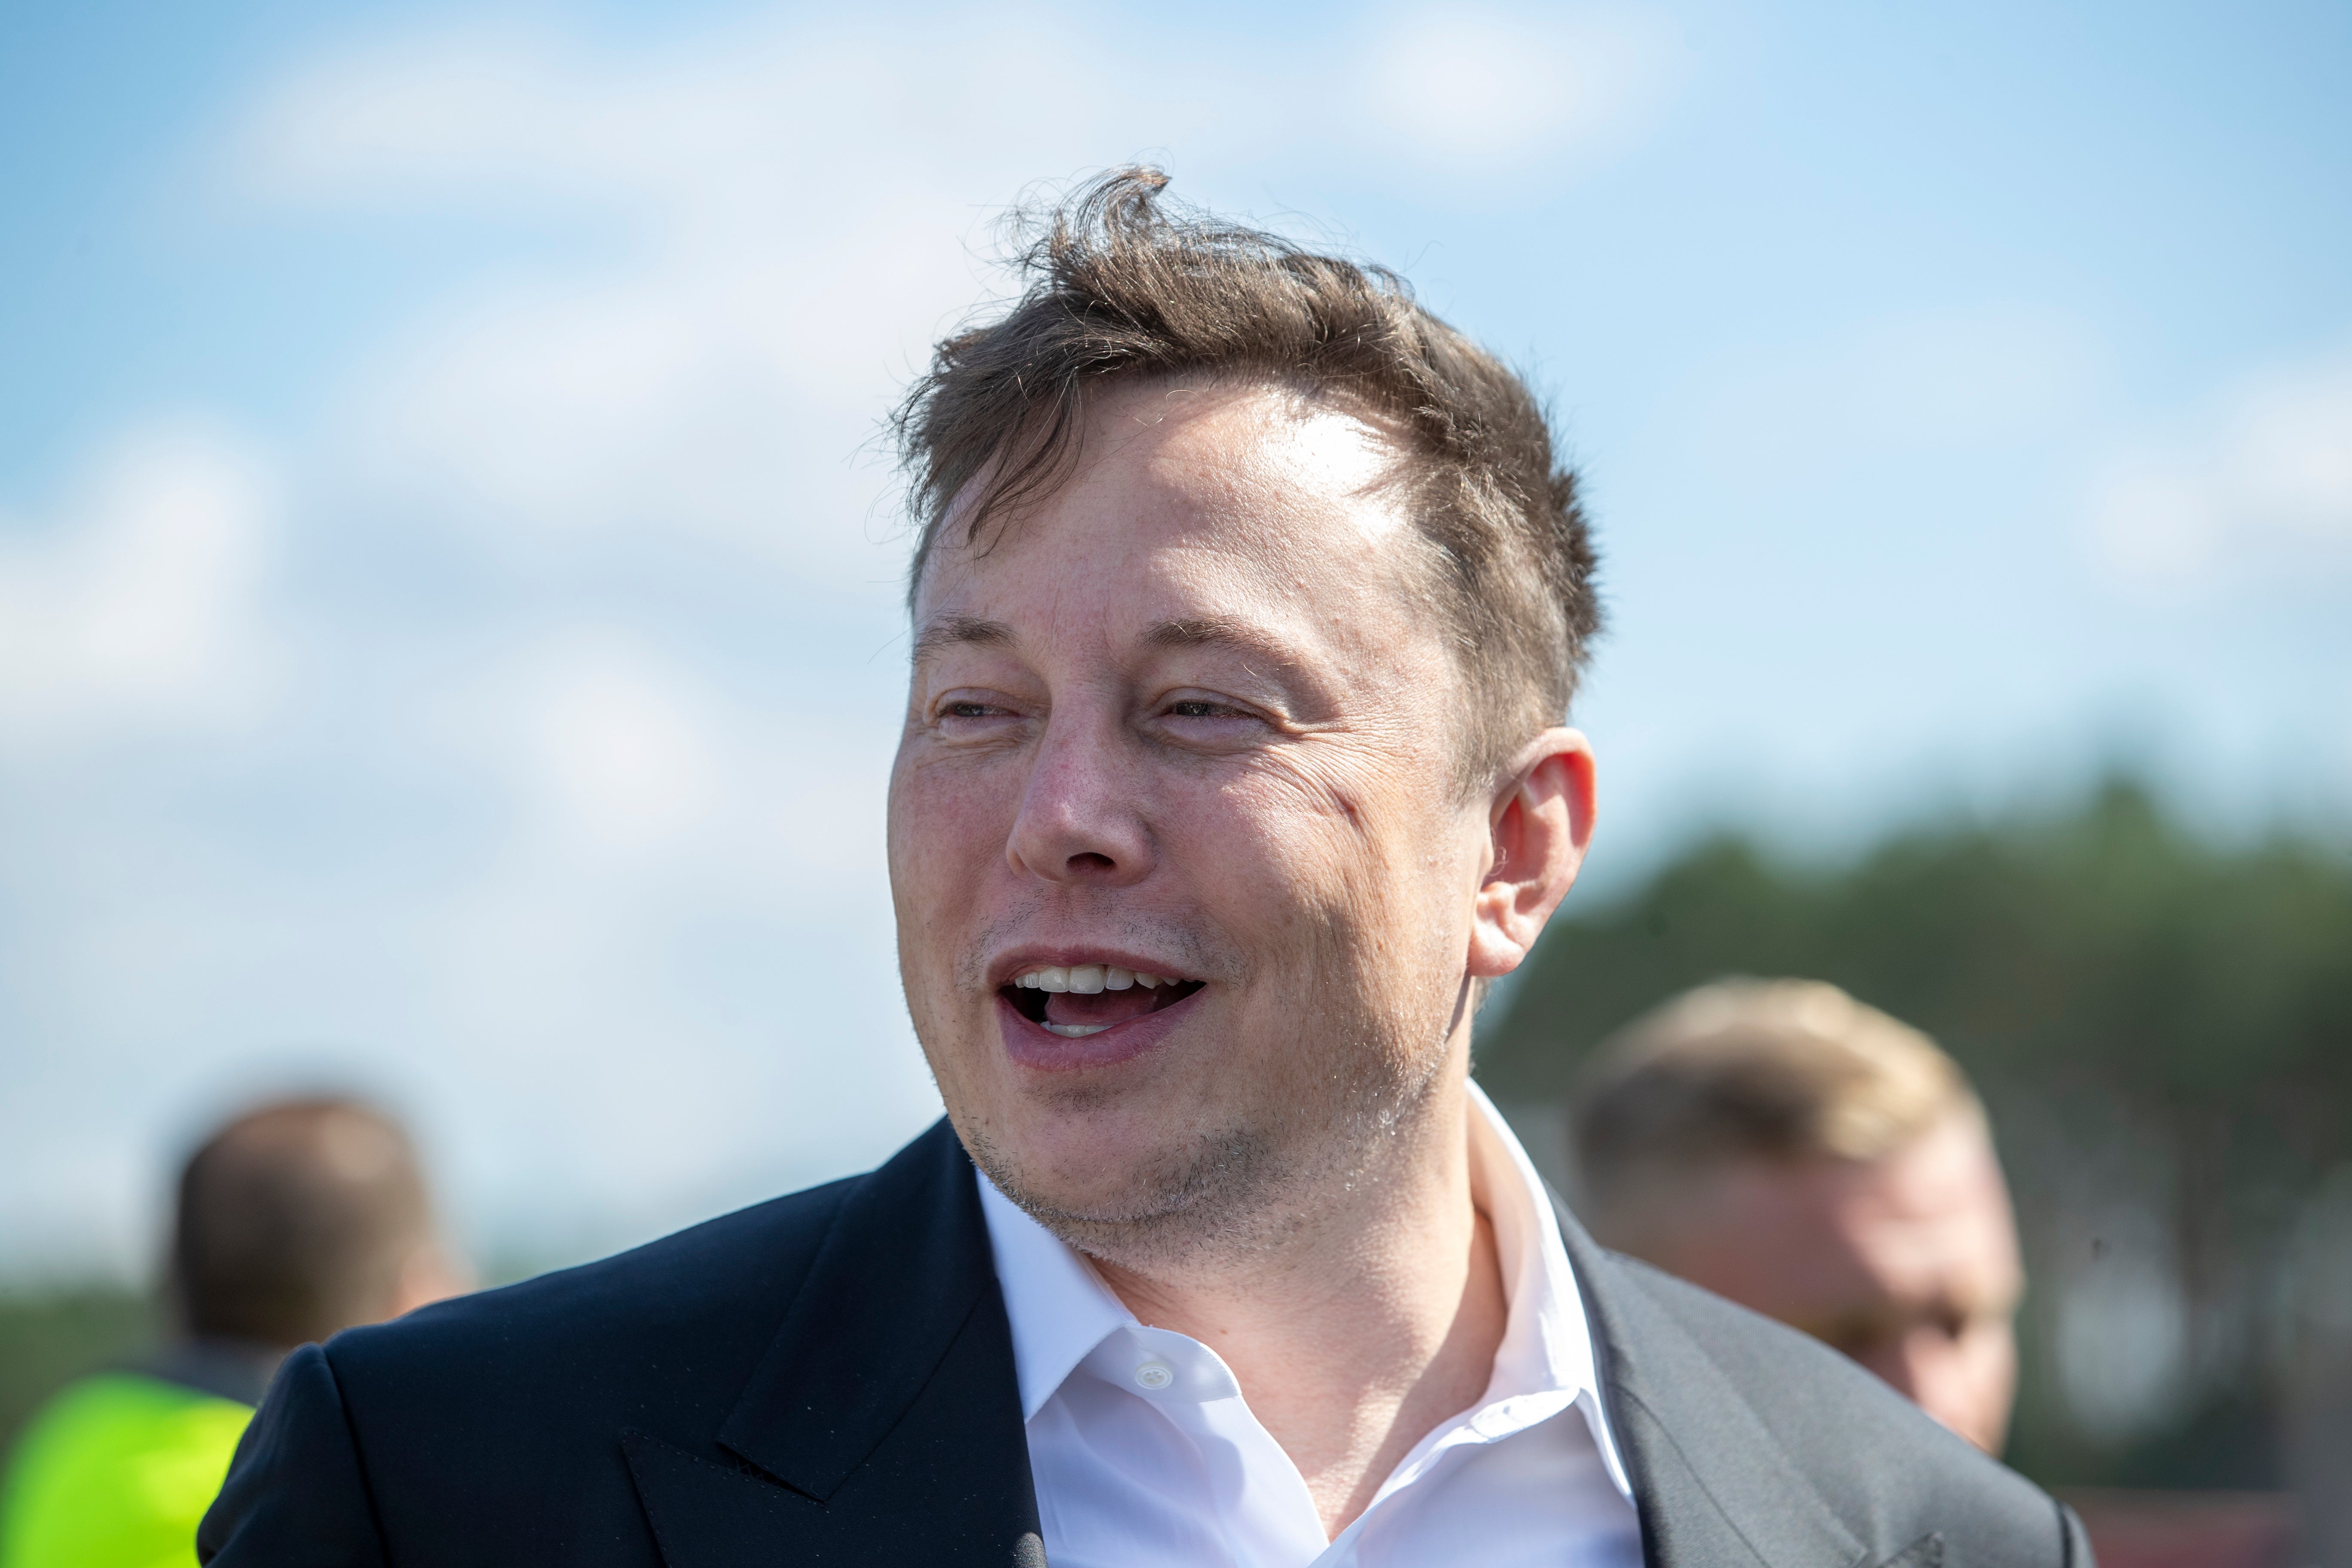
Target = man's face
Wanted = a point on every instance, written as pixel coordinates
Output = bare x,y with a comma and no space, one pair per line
1908,1264
1183,879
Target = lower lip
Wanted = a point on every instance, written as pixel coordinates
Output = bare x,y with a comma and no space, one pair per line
1032,1044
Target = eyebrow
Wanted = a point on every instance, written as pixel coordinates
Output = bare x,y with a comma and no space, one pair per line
1218,631
1239,637
961,631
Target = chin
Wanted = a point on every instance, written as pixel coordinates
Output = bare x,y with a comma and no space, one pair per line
1091,1157
1120,1166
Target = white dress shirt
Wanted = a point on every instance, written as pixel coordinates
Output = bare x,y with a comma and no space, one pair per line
1146,1456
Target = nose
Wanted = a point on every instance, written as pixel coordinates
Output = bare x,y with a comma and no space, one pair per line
1968,1381
1081,821
1938,1371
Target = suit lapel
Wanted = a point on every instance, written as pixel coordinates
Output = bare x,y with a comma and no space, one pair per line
1713,1486
884,1424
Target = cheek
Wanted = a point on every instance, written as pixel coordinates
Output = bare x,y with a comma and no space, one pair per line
1989,1349
947,821
938,863
1351,868
1281,840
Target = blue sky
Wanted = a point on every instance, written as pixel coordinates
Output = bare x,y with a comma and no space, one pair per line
448,637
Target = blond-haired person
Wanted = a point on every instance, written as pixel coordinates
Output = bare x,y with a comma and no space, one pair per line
1807,1155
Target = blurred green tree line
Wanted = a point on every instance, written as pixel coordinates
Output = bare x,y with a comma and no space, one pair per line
48,1338
2161,1026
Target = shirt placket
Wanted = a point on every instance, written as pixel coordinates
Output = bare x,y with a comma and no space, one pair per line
1261,1502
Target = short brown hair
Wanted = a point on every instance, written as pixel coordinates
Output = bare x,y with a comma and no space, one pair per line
1748,1069
1121,286
295,1220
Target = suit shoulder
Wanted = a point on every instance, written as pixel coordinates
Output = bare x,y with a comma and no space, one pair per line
723,1286
1891,1472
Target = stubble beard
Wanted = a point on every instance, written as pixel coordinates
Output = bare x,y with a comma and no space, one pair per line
1321,1144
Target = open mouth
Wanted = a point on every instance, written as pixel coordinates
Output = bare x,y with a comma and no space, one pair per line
1088,998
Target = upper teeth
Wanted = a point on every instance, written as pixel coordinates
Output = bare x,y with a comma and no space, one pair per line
1088,978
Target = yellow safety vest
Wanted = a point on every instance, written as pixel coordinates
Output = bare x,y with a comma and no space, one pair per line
114,1473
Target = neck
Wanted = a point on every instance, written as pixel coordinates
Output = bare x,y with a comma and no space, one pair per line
1373,1320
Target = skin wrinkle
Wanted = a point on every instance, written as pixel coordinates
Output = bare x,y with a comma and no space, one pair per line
1286,1173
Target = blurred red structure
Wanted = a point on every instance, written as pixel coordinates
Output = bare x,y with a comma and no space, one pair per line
2189,1529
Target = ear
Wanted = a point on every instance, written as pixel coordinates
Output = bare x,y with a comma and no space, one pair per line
1538,826
430,1274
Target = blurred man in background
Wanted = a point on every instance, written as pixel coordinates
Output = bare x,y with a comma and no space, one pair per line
1782,1143
293,1221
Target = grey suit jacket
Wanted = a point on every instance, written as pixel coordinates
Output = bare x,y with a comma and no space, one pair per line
1749,1443
828,1379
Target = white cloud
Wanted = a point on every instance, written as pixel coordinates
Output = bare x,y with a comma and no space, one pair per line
1483,94
610,749
2290,448
785,213
620,748
137,609
721,362
2259,483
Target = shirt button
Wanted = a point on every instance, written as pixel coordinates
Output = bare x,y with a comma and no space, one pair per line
1154,1374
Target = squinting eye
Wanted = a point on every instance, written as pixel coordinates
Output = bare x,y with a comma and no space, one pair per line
969,710
1196,709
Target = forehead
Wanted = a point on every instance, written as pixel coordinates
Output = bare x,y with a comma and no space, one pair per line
1227,501
1931,1218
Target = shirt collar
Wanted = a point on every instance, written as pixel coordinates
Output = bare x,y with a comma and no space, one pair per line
1060,1310
1547,1349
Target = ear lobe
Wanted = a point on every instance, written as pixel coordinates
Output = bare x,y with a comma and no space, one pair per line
1540,823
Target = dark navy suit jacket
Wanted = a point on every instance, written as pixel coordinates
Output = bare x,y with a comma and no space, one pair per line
828,1379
